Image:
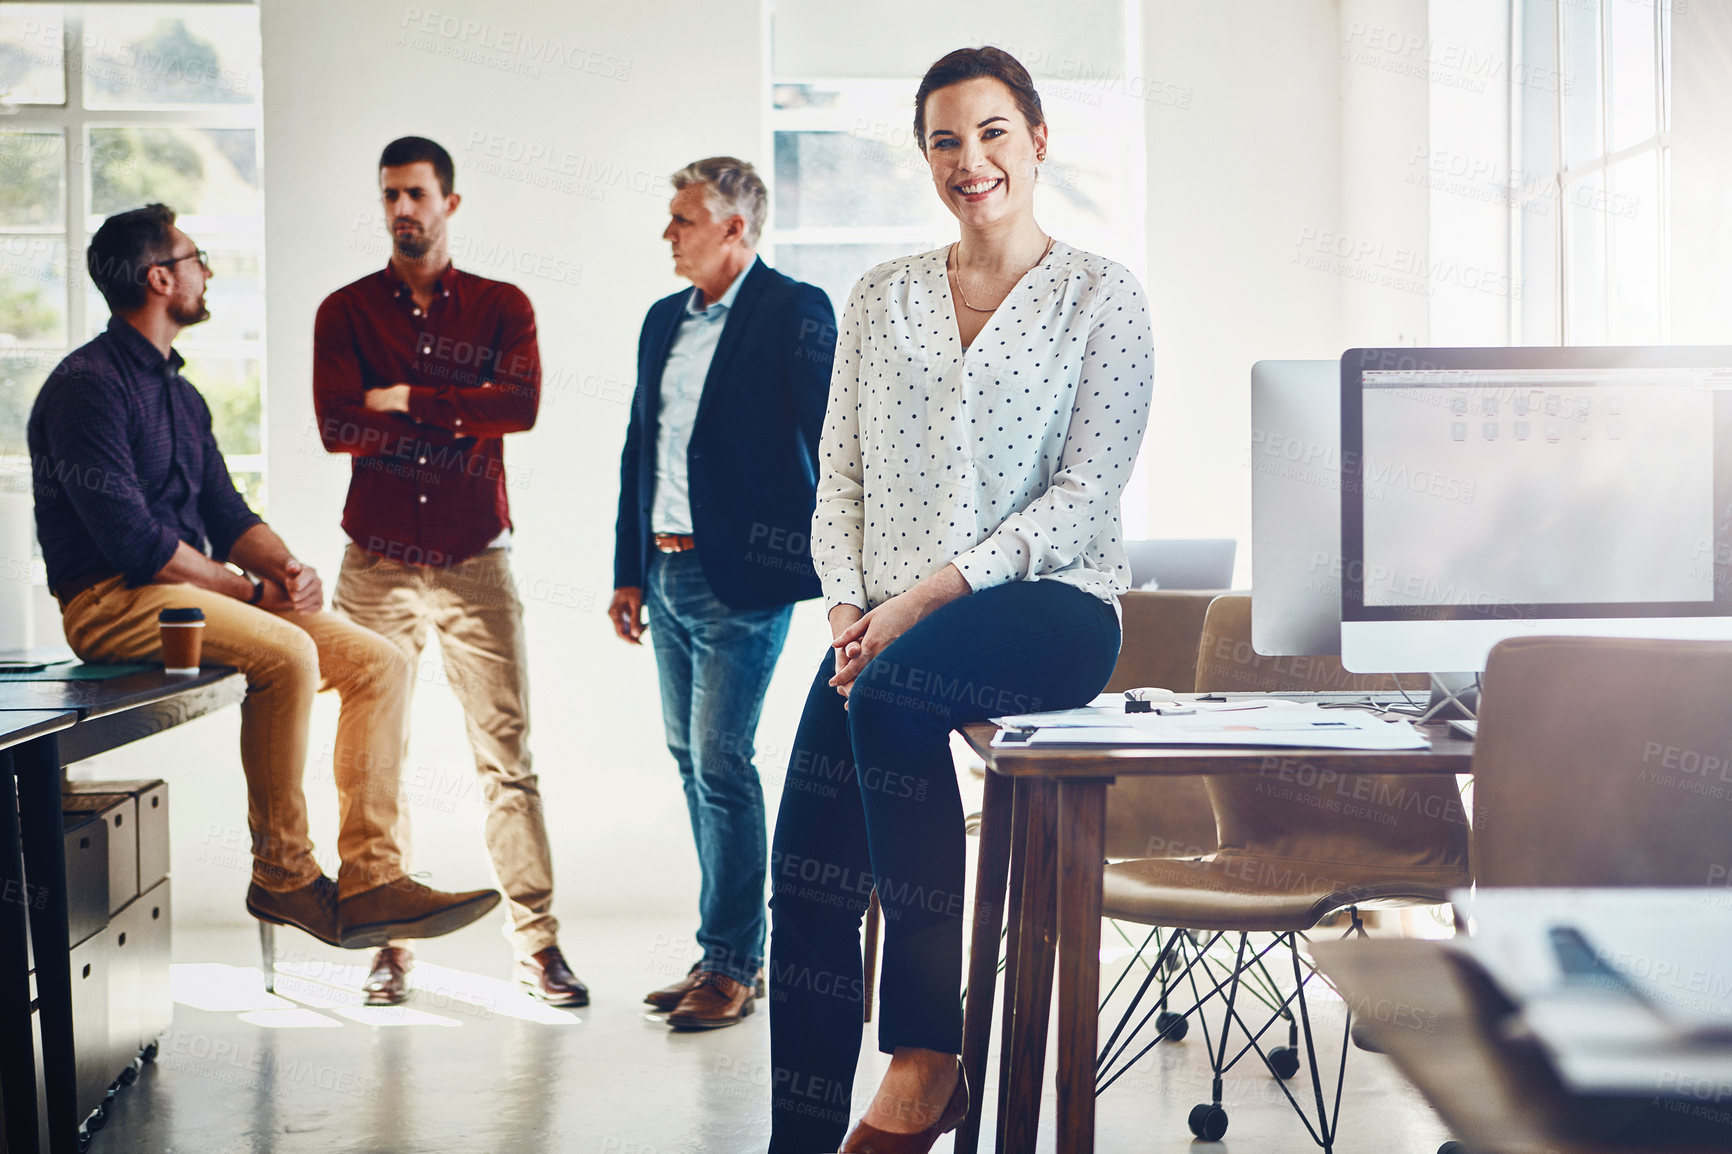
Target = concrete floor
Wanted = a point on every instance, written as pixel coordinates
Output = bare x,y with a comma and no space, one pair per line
472,1064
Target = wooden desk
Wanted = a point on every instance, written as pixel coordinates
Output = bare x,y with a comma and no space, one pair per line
1037,800
1435,1020
67,722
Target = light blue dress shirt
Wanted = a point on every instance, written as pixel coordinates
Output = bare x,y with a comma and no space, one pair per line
683,376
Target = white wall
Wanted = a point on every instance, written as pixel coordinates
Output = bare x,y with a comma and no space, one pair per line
1244,184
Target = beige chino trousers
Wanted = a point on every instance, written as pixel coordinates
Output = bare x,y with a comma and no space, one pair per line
473,606
287,658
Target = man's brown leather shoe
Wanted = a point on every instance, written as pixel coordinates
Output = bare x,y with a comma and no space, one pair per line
668,997
551,980
312,908
388,984
715,1000
407,909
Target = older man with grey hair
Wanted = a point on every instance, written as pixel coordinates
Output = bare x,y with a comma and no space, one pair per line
717,486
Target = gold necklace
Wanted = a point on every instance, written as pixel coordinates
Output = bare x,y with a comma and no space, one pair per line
962,294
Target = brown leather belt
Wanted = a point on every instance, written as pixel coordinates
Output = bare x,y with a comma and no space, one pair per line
674,542
77,585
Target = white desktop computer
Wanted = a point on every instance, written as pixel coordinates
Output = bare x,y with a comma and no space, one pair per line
1504,492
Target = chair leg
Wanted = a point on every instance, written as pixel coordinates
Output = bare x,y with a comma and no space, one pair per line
268,955
870,953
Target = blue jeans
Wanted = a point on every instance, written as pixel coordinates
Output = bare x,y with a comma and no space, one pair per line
871,801
715,665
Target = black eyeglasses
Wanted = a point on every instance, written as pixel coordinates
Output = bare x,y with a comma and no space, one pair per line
201,254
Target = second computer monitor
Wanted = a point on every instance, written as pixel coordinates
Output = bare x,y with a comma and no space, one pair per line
1507,492
1296,508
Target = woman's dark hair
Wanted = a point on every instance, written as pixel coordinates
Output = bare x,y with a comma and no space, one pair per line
971,64
414,150
124,249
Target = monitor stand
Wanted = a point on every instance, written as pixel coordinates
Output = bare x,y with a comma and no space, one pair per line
1454,696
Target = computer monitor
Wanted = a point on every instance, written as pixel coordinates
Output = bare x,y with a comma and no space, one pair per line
1296,508
1495,493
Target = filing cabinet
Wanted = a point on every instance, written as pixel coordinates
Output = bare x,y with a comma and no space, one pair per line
87,876
119,811
90,1022
151,802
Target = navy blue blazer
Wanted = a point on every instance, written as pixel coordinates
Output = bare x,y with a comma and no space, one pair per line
753,458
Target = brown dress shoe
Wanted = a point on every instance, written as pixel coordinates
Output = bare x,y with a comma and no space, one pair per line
388,984
312,908
551,980
715,1000
407,909
668,997
865,1139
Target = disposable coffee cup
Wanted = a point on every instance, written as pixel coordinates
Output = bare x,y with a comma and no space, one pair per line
182,639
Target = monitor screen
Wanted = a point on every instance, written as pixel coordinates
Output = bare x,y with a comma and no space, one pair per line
1492,493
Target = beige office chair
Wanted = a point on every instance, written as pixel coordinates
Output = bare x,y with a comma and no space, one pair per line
1604,762
1292,849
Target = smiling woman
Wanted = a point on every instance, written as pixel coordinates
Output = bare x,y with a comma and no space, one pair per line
986,406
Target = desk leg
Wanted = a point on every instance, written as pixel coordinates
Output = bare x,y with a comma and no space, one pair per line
1012,948
38,767
1082,809
1025,1049
990,870
17,1052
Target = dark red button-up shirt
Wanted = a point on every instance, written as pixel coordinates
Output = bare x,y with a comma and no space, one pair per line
428,487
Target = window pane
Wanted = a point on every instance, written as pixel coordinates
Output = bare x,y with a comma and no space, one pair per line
836,179
33,189
1581,65
155,55
1539,93
32,289
835,267
192,170
230,385
1634,215
252,487
1631,65
32,54
1584,205
21,376
234,295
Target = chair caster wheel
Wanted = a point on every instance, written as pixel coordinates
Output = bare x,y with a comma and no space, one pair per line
149,1053
1452,1147
1172,1027
129,1075
98,1119
1208,1121
84,1142
1284,1062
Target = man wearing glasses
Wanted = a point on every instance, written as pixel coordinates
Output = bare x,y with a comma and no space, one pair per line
136,514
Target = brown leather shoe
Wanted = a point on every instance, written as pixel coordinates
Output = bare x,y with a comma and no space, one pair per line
668,997
407,909
866,1139
715,1000
551,980
311,908
388,984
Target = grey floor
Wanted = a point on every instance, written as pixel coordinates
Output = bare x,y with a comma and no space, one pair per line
471,1064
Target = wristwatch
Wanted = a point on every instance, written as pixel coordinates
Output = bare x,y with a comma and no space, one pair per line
258,592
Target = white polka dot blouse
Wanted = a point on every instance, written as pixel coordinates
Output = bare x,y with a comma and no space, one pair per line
1007,457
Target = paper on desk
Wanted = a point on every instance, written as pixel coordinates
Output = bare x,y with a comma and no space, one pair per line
1292,725
1669,1032
1108,710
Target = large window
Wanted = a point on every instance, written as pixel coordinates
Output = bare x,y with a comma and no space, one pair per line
108,107
1591,220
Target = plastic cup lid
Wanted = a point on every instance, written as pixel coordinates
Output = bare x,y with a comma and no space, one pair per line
187,616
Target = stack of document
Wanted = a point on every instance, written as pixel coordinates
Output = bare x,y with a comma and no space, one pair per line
1184,721
1627,991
